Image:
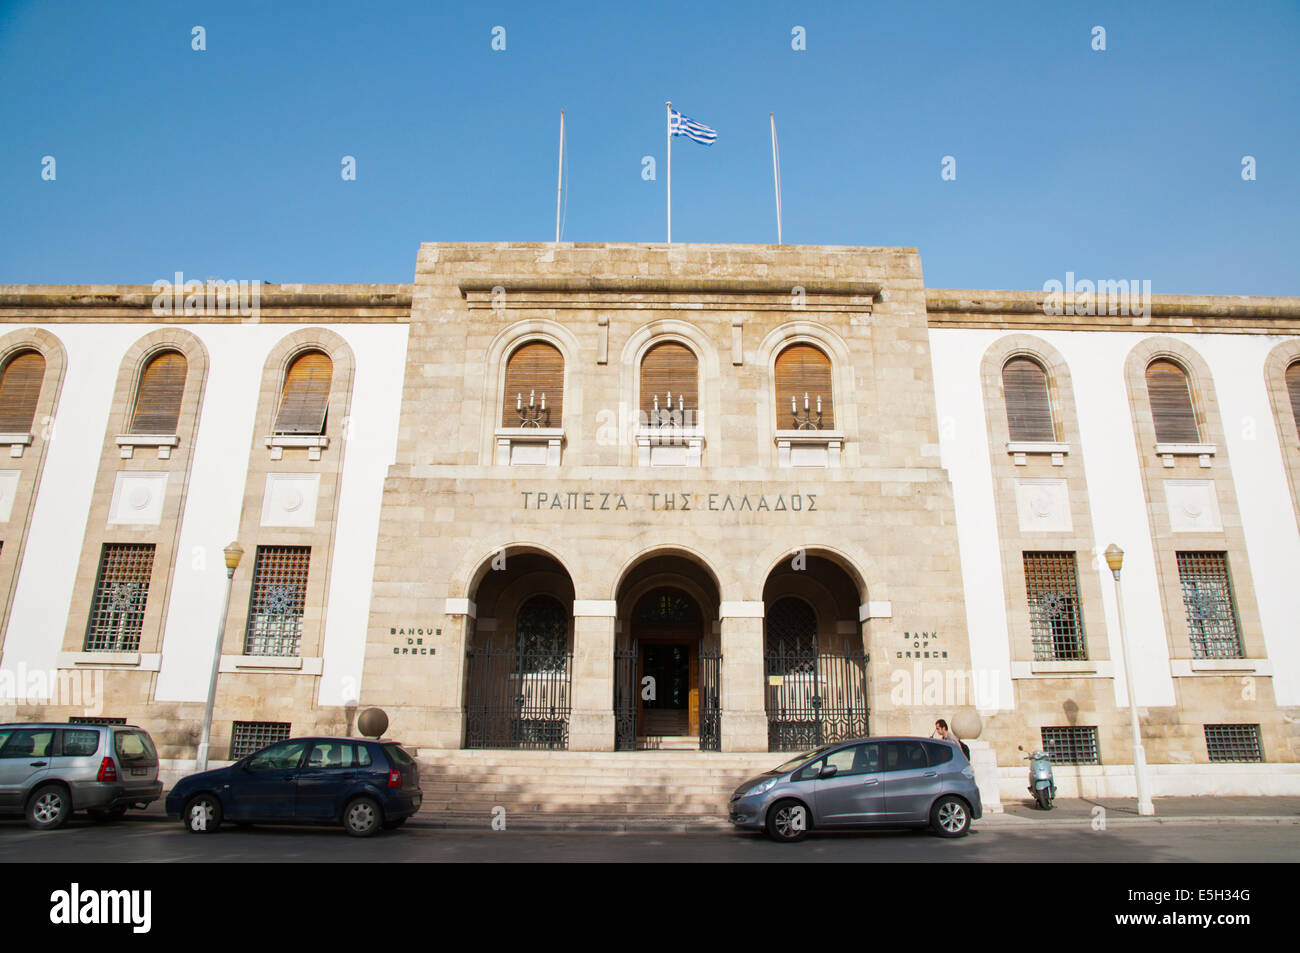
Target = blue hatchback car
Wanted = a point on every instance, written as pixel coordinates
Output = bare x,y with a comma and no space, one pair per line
362,784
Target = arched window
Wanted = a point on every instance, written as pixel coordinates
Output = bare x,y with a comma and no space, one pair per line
670,384
306,395
804,399
534,395
541,636
20,386
1293,390
1029,406
1171,403
158,398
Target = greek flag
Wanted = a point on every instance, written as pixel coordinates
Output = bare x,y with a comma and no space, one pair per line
679,125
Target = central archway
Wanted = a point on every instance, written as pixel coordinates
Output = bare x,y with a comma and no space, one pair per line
667,664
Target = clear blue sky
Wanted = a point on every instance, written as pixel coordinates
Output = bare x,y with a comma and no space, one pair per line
226,163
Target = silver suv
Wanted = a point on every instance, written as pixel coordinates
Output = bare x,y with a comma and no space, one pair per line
873,781
50,769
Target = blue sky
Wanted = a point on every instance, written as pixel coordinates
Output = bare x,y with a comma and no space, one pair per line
1117,164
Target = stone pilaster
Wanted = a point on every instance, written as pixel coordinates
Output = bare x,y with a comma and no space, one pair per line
591,723
744,715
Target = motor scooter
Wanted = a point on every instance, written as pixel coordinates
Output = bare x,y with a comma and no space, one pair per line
1041,783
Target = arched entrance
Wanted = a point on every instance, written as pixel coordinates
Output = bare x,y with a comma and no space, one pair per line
667,691
519,660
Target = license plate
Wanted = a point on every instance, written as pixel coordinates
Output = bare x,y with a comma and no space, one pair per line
139,771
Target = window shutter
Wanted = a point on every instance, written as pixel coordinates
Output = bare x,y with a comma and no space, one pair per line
1293,389
158,398
1029,407
534,368
803,369
1171,403
20,387
306,395
670,368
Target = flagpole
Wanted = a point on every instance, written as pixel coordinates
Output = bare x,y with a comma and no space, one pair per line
559,180
669,119
776,178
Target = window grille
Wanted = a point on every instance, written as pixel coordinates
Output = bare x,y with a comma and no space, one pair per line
95,720
1211,611
1233,743
279,594
1055,620
121,593
1072,745
249,736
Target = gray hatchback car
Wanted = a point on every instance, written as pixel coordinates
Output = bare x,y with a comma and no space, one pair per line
895,782
50,769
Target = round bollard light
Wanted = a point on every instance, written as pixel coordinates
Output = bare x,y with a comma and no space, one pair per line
967,724
372,722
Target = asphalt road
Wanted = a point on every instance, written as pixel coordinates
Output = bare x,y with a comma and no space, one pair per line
140,840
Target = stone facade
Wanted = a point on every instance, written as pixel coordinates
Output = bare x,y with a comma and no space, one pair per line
437,530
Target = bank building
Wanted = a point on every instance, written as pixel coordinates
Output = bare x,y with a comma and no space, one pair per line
598,507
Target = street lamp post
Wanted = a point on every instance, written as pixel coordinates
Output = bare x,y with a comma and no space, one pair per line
233,552
1115,560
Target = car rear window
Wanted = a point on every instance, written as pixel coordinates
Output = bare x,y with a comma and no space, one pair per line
399,755
134,746
80,742
939,754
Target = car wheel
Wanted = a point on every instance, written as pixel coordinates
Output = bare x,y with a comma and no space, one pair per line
950,816
103,814
787,822
362,817
202,814
48,807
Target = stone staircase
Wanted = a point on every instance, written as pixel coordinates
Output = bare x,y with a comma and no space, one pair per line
604,784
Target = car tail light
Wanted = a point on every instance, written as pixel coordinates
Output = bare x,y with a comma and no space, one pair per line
394,778
107,770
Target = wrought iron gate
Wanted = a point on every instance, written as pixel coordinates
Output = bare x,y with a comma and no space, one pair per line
625,698
814,697
710,702
518,698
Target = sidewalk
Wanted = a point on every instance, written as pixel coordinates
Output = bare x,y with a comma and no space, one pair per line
1022,815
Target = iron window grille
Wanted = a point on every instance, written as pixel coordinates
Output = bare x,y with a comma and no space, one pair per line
1211,609
249,736
1055,622
276,607
1233,743
121,593
1072,745
88,720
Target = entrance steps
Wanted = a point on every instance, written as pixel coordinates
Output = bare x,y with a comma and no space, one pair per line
668,743
604,784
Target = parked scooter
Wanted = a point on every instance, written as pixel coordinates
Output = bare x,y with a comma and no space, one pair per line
1041,783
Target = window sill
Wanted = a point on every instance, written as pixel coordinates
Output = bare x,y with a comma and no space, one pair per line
313,443
529,446
281,664
1020,451
143,662
808,448
1074,668
16,442
669,446
1167,451
127,442
1192,667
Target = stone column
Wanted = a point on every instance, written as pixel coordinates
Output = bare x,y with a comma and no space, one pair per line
444,685
744,714
591,723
